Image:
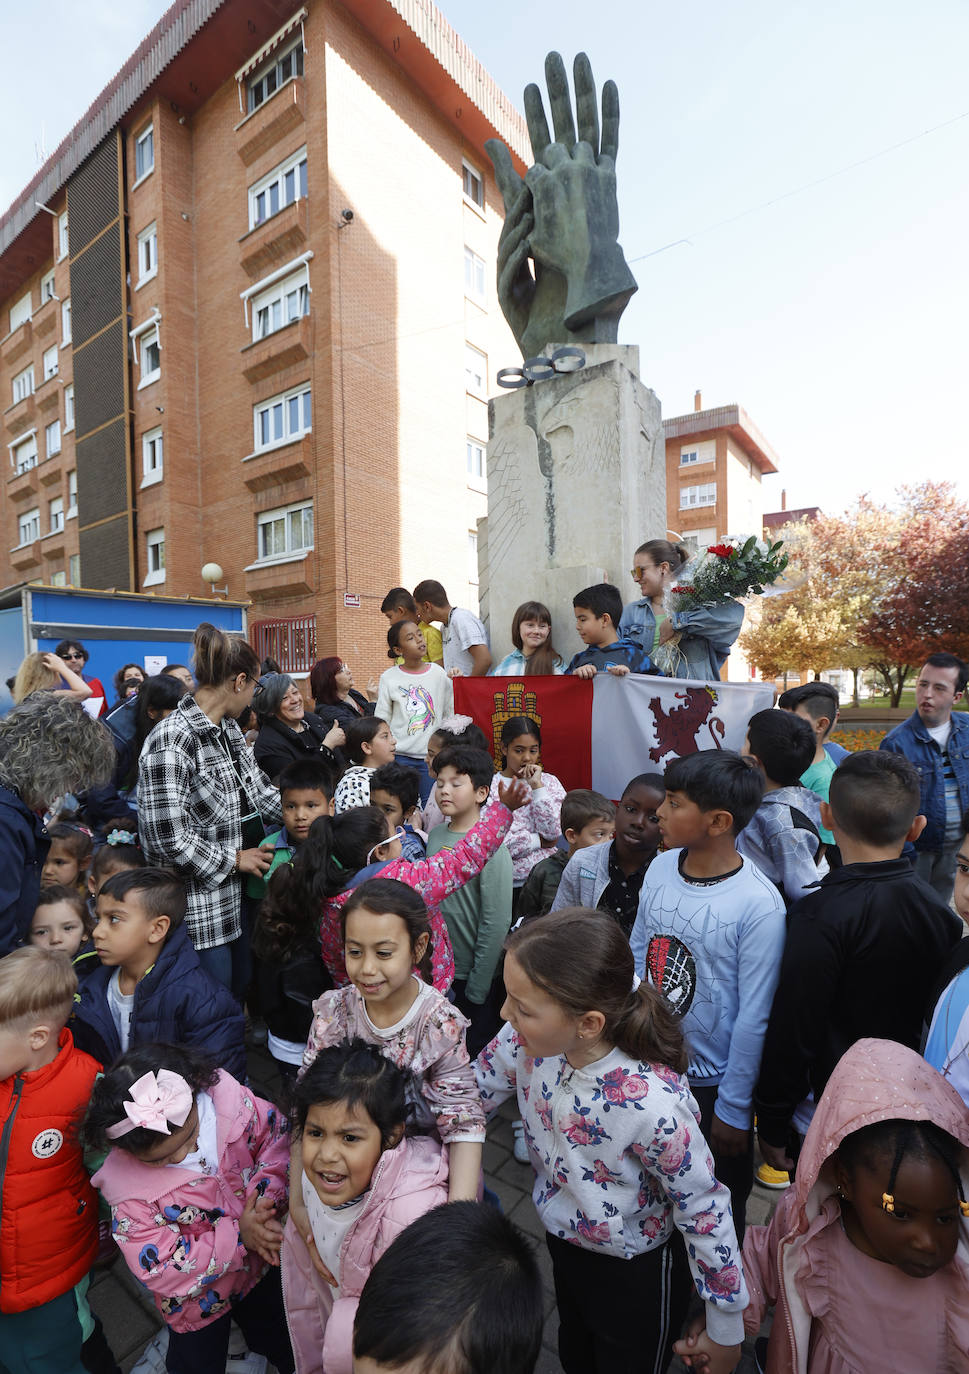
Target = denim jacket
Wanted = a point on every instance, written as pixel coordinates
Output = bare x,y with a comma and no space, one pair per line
708,634
912,739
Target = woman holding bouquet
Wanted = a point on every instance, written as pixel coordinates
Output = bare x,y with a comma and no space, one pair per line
706,632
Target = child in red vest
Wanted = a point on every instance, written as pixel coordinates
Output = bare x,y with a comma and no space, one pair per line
48,1209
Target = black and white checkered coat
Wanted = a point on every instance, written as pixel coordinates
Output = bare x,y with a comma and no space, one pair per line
190,815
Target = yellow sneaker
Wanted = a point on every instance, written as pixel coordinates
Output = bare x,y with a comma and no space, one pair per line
772,1178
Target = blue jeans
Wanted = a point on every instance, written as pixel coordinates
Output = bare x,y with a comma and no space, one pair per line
424,780
229,965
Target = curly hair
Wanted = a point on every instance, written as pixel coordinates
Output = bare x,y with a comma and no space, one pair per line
49,746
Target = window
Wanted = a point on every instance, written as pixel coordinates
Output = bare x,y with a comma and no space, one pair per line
74,569
474,276
148,344
66,321
147,254
52,436
477,467
20,312
287,63
281,533
63,236
47,287
72,494
282,418
69,407
28,526
23,384
58,579
473,185
705,495
286,300
50,363
700,539
473,557
56,511
155,549
23,454
152,457
144,153
280,188
688,456
475,371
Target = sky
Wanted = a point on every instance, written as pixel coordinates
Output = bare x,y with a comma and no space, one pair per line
833,315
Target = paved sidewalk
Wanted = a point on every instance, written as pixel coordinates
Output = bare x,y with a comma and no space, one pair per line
130,1319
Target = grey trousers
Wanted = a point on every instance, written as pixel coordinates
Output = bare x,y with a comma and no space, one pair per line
937,867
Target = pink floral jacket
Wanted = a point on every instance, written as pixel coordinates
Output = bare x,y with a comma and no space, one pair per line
619,1161
430,1043
179,1230
434,879
538,819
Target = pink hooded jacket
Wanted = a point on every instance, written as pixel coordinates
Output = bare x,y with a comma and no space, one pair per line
875,1080
408,1181
179,1230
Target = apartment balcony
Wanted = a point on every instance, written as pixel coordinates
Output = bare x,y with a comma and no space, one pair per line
50,472
276,466
23,485
26,556
276,240
20,415
48,394
46,318
272,581
54,543
18,343
257,133
285,348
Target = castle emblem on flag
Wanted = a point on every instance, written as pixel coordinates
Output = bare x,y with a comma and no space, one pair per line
513,701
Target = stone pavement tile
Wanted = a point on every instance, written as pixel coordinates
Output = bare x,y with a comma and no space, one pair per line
129,1323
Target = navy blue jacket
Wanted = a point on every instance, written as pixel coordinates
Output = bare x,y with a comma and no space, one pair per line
176,1001
624,652
24,844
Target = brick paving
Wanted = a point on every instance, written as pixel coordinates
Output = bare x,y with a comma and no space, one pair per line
130,1319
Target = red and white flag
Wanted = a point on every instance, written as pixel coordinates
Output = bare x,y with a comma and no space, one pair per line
601,732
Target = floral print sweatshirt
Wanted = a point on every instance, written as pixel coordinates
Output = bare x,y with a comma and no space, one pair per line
619,1161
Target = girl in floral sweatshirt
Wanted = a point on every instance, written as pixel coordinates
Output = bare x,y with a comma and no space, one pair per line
598,1067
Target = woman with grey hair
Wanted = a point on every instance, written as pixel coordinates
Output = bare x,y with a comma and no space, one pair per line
287,732
48,746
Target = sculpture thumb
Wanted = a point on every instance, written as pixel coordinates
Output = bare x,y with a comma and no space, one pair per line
509,182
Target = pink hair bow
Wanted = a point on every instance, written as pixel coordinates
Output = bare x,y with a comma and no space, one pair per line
155,1100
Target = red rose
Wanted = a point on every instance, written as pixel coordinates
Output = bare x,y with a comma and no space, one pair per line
721,550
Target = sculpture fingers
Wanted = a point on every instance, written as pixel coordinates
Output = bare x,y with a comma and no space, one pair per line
560,100
509,182
610,121
536,121
586,109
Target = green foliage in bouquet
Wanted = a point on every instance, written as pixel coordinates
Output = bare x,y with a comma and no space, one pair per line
725,572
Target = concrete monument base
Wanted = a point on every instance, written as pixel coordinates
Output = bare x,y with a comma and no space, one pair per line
576,481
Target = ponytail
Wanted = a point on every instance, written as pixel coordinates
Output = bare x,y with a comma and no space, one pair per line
662,551
217,657
582,960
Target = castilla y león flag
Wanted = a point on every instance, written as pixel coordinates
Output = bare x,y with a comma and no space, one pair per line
601,732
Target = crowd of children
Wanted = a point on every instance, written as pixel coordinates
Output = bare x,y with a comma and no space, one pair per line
735,953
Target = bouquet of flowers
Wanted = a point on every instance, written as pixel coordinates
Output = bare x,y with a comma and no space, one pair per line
725,572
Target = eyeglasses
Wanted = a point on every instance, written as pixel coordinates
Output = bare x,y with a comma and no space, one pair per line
636,574
398,834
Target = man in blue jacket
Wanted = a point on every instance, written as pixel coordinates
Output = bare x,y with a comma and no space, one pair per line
937,742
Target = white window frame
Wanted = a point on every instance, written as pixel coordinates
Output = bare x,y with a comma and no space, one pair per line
469,172
22,385
277,295
701,538
142,337
273,67
63,236
49,363
472,558
47,292
28,527
55,515
22,463
277,179
476,460
154,557
52,438
147,254
20,312
58,579
291,552
475,269
72,494
474,387
146,139
689,456
152,456
74,570
703,494
303,397
65,321
68,407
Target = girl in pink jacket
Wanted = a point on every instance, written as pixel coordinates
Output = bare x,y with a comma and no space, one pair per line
196,1179
364,1181
866,1257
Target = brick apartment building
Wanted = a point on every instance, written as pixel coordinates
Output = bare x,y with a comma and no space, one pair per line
251,320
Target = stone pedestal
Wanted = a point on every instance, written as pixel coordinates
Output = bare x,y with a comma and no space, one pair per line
576,482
